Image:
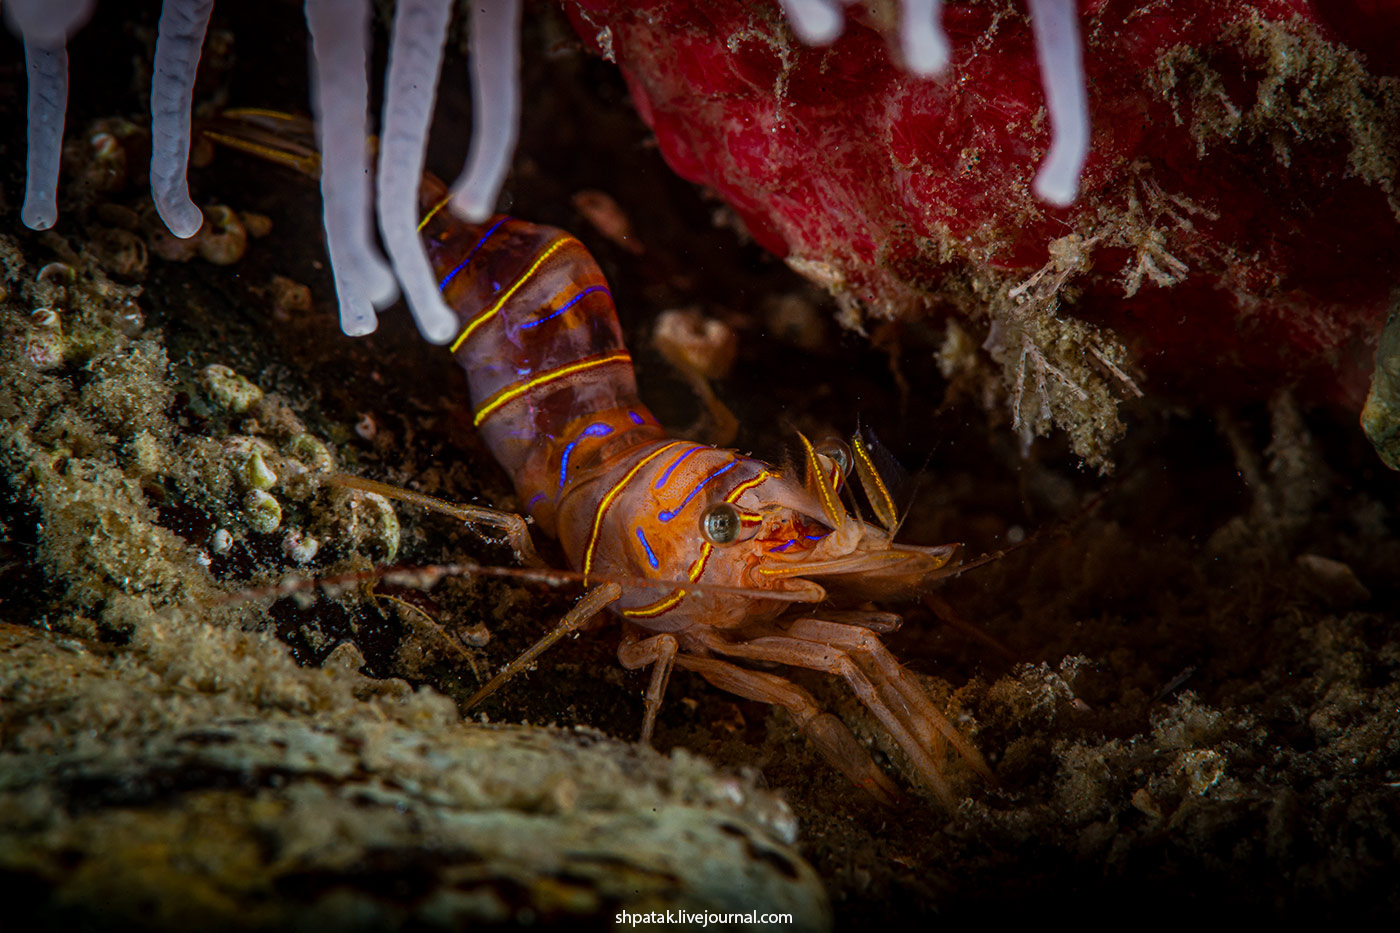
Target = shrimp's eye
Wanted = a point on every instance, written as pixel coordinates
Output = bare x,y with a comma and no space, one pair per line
720,523
835,450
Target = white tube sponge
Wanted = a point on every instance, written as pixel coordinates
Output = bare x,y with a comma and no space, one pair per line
815,22
179,40
45,25
1056,27
48,23
415,57
48,105
921,37
495,64
340,94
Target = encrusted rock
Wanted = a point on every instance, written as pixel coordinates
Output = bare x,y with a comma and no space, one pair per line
129,803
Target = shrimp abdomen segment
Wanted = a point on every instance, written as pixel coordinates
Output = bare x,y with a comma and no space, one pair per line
539,339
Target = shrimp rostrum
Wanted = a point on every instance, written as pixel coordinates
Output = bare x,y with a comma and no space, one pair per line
716,562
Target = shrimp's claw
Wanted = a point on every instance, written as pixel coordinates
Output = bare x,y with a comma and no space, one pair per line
828,733
886,687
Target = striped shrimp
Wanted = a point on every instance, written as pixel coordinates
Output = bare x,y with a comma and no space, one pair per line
706,555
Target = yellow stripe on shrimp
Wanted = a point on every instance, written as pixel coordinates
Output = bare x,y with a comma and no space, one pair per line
496,305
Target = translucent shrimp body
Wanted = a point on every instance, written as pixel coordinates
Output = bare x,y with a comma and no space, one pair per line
702,551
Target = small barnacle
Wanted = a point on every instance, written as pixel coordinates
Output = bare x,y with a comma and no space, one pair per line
367,427
696,344
221,541
376,523
289,298
42,342
44,349
701,349
46,319
223,239
164,243
122,252
308,449
106,163
297,483
102,155
1142,801
59,273
262,511
344,657
300,547
228,389
256,473
796,320
242,445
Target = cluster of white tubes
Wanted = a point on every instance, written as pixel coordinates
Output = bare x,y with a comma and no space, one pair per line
340,29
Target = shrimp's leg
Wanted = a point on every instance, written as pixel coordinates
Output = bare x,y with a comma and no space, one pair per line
882,623
862,646
829,734
508,524
658,651
891,700
592,603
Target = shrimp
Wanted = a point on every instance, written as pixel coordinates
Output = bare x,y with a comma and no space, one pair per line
713,560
